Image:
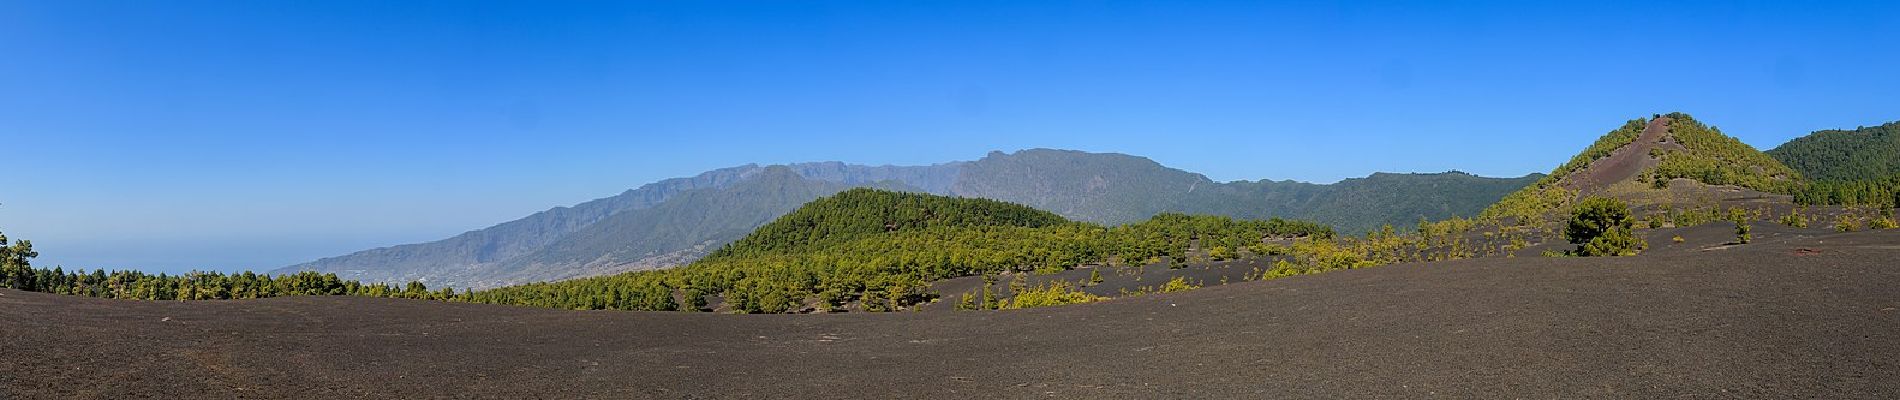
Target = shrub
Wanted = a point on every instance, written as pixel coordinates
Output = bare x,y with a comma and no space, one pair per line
1795,219
1846,224
1601,227
1885,221
1219,253
1178,284
1053,294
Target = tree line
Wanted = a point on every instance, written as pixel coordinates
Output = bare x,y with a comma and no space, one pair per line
17,272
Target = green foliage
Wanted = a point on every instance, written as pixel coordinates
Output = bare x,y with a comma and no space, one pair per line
1858,167
1846,223
1178,284
1879,192
1795,218
863,212
1717,159
1741,233
1054,293
984,299
827,254
1615,242
1863,154
1595,216
1602,227
1218,253
1884,221
16,272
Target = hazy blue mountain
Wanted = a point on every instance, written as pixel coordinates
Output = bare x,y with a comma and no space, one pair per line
678,231
675,221
494,255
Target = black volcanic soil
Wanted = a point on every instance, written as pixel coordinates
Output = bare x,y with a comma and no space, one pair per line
1808,317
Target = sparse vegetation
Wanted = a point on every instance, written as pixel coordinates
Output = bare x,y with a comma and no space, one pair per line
828,253
1683,218
1717,159
1795,218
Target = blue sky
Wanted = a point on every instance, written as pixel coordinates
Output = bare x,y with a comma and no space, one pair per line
228,135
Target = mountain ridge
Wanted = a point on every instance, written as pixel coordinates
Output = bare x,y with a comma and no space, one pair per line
1107,188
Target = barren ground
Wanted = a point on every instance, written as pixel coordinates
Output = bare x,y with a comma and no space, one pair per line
1806,316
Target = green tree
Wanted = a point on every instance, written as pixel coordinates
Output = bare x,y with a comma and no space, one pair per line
1602,227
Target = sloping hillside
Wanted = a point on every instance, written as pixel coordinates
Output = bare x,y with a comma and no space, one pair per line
432,260
1865,153
673,233
1116,189
1858,167
1670,159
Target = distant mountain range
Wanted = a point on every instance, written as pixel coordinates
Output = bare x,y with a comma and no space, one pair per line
675,221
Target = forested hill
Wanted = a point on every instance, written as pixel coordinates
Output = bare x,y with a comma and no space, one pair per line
862,212
1861,166
1871,152
875,250
1118,188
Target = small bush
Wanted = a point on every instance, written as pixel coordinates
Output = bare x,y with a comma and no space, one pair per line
1885,221
1052,294
1178,284
1846,224
1795,219
1601,227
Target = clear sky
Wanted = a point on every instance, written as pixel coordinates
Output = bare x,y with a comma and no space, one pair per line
222,135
